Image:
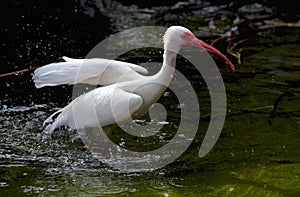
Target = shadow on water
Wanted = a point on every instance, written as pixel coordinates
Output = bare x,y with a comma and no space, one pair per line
257,153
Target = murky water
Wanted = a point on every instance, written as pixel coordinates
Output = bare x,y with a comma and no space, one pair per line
257,153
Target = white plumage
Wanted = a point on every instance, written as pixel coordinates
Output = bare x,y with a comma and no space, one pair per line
128,93
83,111
94,71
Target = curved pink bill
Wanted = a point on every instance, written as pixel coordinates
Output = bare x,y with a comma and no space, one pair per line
200,43
217,52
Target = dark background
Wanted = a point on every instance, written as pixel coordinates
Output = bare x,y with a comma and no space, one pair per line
38,32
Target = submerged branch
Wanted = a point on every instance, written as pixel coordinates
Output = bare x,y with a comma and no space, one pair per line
274,23
245,111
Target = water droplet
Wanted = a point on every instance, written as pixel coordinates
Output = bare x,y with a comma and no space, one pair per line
166,93
181,135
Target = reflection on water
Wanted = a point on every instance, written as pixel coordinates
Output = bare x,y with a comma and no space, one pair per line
256,155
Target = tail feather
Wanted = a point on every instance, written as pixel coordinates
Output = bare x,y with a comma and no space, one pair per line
50,118
52,124
62,118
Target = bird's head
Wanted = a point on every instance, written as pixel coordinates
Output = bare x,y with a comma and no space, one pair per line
177,37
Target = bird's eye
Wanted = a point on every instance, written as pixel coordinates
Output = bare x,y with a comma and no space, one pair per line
185,37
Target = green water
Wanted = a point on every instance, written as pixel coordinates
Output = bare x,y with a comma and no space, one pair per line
257,153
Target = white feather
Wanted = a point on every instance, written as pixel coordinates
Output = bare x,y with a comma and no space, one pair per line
97,108
94,71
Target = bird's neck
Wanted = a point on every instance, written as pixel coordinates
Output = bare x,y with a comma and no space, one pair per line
169,58
165,74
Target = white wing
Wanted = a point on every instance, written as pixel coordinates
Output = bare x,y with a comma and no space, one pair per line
94,71
97,108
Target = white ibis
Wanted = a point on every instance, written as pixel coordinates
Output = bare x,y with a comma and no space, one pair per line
126,92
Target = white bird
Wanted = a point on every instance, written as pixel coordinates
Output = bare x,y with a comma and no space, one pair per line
127,94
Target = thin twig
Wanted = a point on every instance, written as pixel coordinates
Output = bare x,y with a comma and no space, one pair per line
216,40
234,53
18,71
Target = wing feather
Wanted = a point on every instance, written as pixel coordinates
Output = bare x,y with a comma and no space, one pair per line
95,71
